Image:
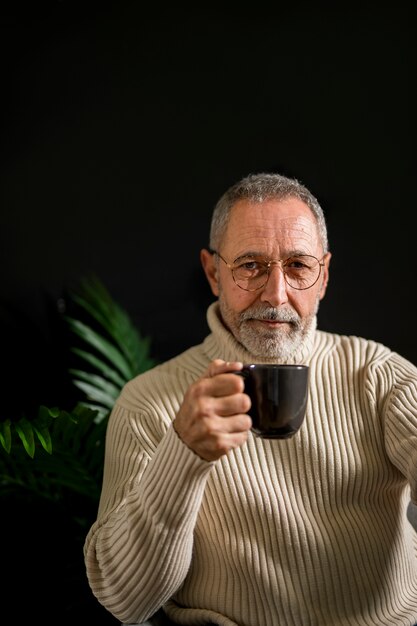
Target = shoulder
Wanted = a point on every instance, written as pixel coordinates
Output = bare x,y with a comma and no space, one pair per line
334,342
166,382
359,352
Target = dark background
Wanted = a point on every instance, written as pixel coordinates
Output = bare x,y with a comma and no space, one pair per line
121,126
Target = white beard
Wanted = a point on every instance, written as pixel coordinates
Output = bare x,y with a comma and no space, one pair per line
277,344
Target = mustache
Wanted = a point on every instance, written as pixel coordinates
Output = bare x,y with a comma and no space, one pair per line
269,313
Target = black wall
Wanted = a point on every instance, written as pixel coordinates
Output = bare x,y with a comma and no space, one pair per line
120,129
121,126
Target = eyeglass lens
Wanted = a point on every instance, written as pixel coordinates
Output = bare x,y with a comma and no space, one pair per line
300,272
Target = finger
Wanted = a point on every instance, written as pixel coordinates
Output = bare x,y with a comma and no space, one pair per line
235,424
218,366
215,427
225,406
220,385
214,448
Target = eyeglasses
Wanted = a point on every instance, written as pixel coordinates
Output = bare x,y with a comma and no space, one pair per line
251,273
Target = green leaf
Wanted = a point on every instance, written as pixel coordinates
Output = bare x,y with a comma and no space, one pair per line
97,381
6,435
93,393
113,354
44,437
101,366
97,301
101,411
25,431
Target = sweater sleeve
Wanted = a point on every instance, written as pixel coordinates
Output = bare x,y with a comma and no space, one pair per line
398,379
138,551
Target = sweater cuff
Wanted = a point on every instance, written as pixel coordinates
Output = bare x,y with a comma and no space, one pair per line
175,481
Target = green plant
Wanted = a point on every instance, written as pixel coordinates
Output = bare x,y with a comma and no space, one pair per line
123,351
51,464
58,454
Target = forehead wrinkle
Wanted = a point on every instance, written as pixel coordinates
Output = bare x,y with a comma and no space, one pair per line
291,234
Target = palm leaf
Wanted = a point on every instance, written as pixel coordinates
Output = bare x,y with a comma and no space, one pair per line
96,300
119,351
60,452
109,372
105,347
96,387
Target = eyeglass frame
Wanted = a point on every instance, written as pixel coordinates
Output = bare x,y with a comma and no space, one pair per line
268,270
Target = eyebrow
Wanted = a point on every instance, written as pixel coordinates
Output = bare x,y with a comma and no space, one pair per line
255,253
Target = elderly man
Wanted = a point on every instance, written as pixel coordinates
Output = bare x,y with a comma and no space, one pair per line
206,521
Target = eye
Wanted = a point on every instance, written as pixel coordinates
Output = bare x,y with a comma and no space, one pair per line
299,262
250,265
250,268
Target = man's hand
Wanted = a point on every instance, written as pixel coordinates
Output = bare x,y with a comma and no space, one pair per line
213,416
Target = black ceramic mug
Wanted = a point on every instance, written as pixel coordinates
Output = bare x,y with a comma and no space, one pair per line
279,398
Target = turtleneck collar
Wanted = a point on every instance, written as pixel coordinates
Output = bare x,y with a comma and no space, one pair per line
221,344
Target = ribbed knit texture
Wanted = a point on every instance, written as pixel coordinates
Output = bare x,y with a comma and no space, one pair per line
310,531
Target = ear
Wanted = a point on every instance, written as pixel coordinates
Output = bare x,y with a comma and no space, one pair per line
210,269
325,278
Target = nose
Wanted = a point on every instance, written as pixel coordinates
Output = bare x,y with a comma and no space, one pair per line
275,290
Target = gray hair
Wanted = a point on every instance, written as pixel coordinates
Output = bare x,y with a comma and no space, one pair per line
260,187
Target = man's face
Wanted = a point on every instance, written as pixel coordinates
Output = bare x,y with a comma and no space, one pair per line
274,320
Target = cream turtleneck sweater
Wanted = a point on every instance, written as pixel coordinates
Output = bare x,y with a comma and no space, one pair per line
307,531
